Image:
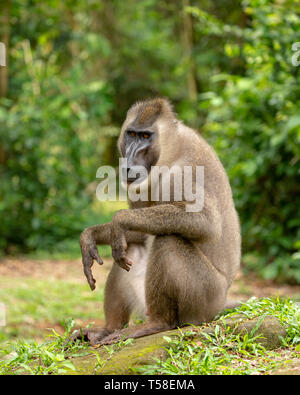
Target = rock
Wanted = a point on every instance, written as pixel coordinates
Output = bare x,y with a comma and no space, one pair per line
269,330
123,361
142,351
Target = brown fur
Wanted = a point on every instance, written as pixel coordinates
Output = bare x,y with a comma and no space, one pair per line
191,258
149,111
148,114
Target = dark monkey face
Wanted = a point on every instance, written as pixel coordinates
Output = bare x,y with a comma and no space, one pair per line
139,148
139,139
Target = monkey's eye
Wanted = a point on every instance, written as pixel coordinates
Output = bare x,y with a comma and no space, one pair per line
146,135
131,133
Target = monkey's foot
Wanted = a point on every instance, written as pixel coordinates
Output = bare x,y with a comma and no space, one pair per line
134,333
114,337
94,336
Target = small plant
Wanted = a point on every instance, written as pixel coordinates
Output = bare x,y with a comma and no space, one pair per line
117,346
51,357
225,352
110,351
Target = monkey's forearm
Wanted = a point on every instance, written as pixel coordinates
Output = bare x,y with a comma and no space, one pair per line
170,219
101,235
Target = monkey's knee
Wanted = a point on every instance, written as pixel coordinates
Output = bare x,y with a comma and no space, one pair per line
203,301
162,310
182,285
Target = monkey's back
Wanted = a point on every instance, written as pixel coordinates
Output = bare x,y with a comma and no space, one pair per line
223,251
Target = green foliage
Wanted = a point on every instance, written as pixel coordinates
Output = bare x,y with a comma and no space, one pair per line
51,357
285,310
221,352
75,67
254,124
49,130
33,304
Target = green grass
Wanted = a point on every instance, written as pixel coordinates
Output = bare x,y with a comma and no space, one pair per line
30,303
228,353
221,352
31,306
285,310
51,357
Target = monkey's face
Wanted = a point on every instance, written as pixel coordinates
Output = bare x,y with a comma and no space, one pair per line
140,148
139,139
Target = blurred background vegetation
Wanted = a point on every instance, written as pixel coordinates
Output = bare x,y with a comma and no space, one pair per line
75,66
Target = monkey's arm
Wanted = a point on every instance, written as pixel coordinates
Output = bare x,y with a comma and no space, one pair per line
164,219
172,218
101,235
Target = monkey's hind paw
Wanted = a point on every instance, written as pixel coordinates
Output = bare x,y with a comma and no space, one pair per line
115,337
94,336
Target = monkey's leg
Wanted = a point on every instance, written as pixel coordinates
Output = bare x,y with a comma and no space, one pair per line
162,288
177,268
182,287
192,290
134,333
123,292
117,309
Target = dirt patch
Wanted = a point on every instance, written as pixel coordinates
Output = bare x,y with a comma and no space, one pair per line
249,285
71,270
67,270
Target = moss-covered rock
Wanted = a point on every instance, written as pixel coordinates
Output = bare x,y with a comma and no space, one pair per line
268,330
142,351
123,361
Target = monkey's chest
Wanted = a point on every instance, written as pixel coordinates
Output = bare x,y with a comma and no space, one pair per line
135,279
138,254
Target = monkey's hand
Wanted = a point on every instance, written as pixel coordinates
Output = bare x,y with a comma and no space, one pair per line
89,252
119,246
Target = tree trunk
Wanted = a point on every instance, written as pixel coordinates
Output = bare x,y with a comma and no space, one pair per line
4,38
188,44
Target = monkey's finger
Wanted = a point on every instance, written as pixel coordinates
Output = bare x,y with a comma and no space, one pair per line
125,263
125,267
88,274
128,261
91,282
122,264
95,255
